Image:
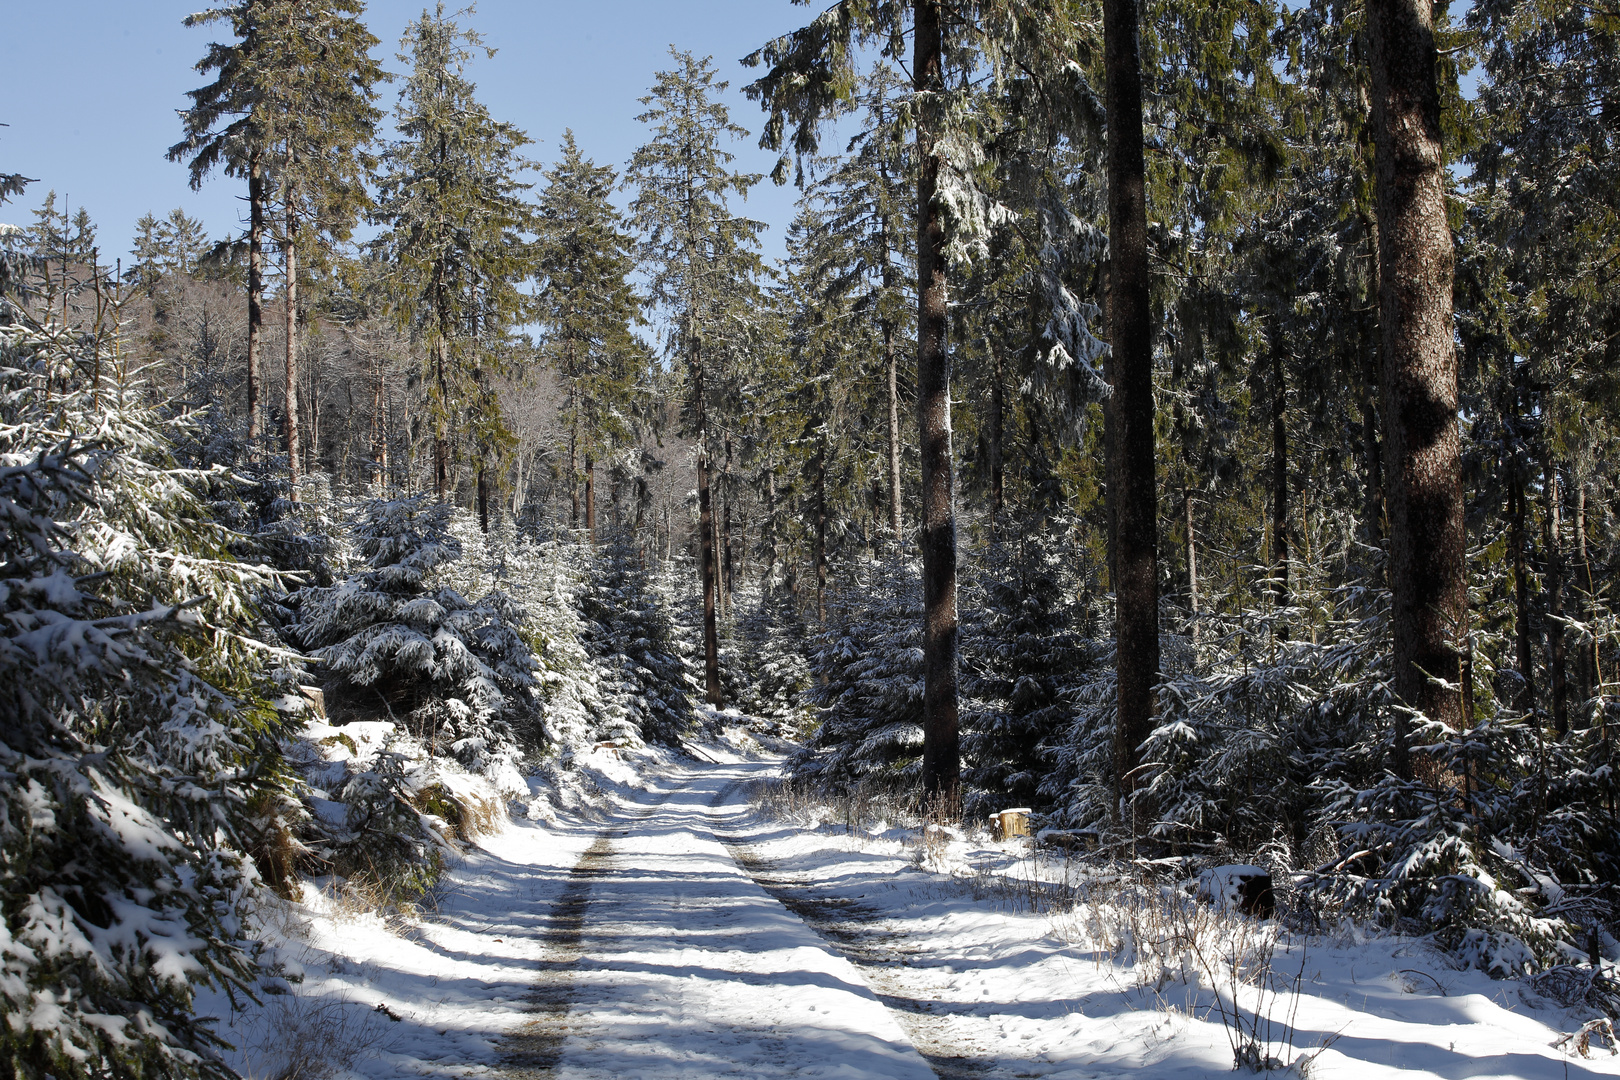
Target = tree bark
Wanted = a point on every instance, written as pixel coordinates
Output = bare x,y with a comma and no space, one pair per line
941,745
706,553
590,496
1136,559
896,525
290,397
573,473
821,529
1279,484
1552,529
1526,697
379,431
998,491
727,490
255,298
441,431
1192,556
1589,659
1420,399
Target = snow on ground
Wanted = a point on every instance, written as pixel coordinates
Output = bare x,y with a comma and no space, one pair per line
1021,994
638,918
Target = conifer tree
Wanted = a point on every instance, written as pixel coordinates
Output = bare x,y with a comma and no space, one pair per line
291,110
456,249
703,262
1427,544
587,307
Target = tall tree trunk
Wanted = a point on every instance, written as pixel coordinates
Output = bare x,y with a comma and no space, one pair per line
441,429
821,528
727,490
1371,459
1552,530
255,298
312,444
1589,658
896,525
483,497
1279,483
1421,441
706,553
379,430
998,491
1526,698
590,495
290,397
1192,556
1136,560
941,746
573,473
769,577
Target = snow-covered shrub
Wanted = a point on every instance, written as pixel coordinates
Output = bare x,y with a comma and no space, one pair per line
383,837
775,667
1022,649
868,664
135,731
647,685
396,642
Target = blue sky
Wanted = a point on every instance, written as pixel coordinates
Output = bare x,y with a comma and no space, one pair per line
92,87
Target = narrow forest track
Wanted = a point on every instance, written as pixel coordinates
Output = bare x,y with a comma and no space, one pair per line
672,951
880,954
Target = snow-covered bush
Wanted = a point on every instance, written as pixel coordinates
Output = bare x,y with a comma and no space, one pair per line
1023,648
396,642
775,667
647,684
868,695
138,752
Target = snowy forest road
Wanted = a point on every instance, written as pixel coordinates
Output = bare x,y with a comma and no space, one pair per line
665,958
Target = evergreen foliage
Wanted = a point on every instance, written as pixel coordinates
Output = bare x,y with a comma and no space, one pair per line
646,683
395,641
137,729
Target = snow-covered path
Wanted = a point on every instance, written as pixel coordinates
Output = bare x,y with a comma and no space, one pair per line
666,959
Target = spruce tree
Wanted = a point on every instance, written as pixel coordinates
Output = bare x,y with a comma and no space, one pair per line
703,263
456,248
291,110
587,308
1420,396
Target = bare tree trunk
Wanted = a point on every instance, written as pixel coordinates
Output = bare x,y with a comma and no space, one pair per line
941,741
706,553
1552,529
1192,556
997,473
290,397
769,578
821,528
1372,460
896,525
727,491
1279,483
255,299
1589,658
379,430
573,473
1421,441
590,495
1521,591
441,431
1136,561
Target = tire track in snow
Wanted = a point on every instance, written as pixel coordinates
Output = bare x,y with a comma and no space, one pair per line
533,1052
877,955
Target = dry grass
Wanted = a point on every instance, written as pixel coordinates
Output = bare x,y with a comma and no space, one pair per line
300,1038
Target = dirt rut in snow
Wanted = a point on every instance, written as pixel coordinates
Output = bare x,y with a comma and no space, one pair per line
880,955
